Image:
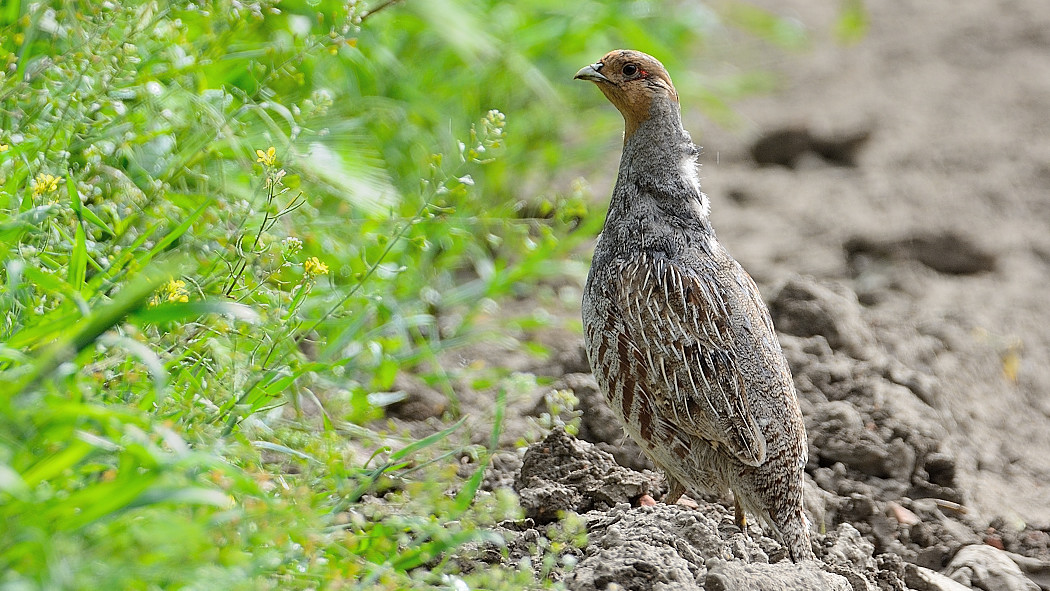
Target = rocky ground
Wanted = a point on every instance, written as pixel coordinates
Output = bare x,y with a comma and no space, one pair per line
893,203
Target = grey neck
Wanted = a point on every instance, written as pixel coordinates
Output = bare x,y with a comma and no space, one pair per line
661,135
659,166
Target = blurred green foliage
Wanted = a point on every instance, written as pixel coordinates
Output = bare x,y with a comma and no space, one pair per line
226,225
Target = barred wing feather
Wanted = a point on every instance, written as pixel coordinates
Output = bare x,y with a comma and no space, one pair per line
682,331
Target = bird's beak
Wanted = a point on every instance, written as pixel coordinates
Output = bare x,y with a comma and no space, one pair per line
591,73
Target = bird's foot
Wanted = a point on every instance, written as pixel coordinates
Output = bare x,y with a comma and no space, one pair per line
738,514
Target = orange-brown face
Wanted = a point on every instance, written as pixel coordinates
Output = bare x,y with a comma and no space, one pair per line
630,80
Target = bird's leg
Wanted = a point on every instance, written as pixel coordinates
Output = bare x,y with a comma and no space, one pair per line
738,513
676,490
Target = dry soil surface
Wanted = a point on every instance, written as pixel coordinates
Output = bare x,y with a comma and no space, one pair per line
893,203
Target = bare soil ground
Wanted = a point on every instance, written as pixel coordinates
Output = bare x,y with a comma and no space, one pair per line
941,228
893,203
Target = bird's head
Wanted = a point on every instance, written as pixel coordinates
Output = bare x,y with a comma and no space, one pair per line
632,81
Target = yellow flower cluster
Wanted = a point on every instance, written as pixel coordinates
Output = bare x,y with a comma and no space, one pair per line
314,267
175,291
269,157
45,183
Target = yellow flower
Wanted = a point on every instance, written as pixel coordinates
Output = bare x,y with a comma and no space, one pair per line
314,267
173,291
269,157
45,183
4,147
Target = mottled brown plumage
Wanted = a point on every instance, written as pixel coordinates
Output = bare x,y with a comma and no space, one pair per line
677,334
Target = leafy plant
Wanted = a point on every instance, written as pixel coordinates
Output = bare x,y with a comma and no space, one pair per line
225,226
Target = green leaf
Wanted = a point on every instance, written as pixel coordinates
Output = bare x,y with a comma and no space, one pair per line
426,441
29,219
284,449
145,355
300,294
177,231
78,258
14,355
51,465
99,500
466,494
182,311
194,495
95,220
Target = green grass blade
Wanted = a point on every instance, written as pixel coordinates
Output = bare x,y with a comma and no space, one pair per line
146,356
99,500
285,450
183,311
28,220
176,232
53,465
465,496
182,496
78,258
425,442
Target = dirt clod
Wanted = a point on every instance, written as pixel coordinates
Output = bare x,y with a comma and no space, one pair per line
562,473
805,308
788,145
946,252
735,576
983,567
598,424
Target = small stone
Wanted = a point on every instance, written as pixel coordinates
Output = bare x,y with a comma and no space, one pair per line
923,579
903,515
983,567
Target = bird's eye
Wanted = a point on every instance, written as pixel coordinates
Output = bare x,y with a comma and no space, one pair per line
630,70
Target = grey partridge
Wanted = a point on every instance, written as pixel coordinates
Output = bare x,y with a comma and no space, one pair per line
677,334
